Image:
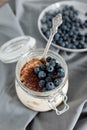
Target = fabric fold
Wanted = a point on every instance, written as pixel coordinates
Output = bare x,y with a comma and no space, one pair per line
22,20
13,114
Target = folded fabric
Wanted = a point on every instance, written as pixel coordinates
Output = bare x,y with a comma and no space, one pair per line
13,115
21,19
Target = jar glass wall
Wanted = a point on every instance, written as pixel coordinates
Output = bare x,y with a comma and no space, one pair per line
40,101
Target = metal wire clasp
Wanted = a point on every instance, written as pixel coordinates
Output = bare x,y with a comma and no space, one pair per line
52,100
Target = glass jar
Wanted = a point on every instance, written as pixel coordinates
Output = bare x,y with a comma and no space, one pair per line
42,101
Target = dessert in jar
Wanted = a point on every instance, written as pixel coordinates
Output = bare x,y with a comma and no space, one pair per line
34,98
34,89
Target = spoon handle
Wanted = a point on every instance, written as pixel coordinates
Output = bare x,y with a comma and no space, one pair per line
56,22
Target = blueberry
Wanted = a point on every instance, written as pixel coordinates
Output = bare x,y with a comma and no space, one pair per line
52,13
62,35
41,83
59,11
73,28
50,86
77,25
67,18
85,23
48,59
60,40
56,66
81,42
77,29
49,75
47,33
71,33
56,37
85,37
79,34
62,44
67,30
73,47
49,24
66,7
37,70
54,41
82,26
86,40
48,79
73,40
43,67
82,38
60,31
80,46
47,13
64,38
49,17
41,74
53,59
50,68
57,82
52,62
60,73
64,27
68,41
43,20
59,66
75,44
71,7
44,29
76,12
66,44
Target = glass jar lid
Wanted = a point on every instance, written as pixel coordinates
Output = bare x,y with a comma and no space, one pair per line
12,50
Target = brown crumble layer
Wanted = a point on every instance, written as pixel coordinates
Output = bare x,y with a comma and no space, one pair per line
27,75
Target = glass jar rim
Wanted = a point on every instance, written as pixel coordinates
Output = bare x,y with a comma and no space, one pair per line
47,93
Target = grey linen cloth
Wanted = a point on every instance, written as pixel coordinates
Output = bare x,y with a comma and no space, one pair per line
20,18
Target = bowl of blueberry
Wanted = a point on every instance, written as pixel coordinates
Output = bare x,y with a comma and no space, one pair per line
72,34
42,84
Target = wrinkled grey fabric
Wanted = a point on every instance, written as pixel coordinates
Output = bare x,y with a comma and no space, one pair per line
20,18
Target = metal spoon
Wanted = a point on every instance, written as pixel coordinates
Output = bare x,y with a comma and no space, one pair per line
56,22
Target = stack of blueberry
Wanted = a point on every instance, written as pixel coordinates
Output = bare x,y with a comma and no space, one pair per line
69,33
50,74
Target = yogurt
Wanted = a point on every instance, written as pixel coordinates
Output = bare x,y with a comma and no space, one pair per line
35,103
